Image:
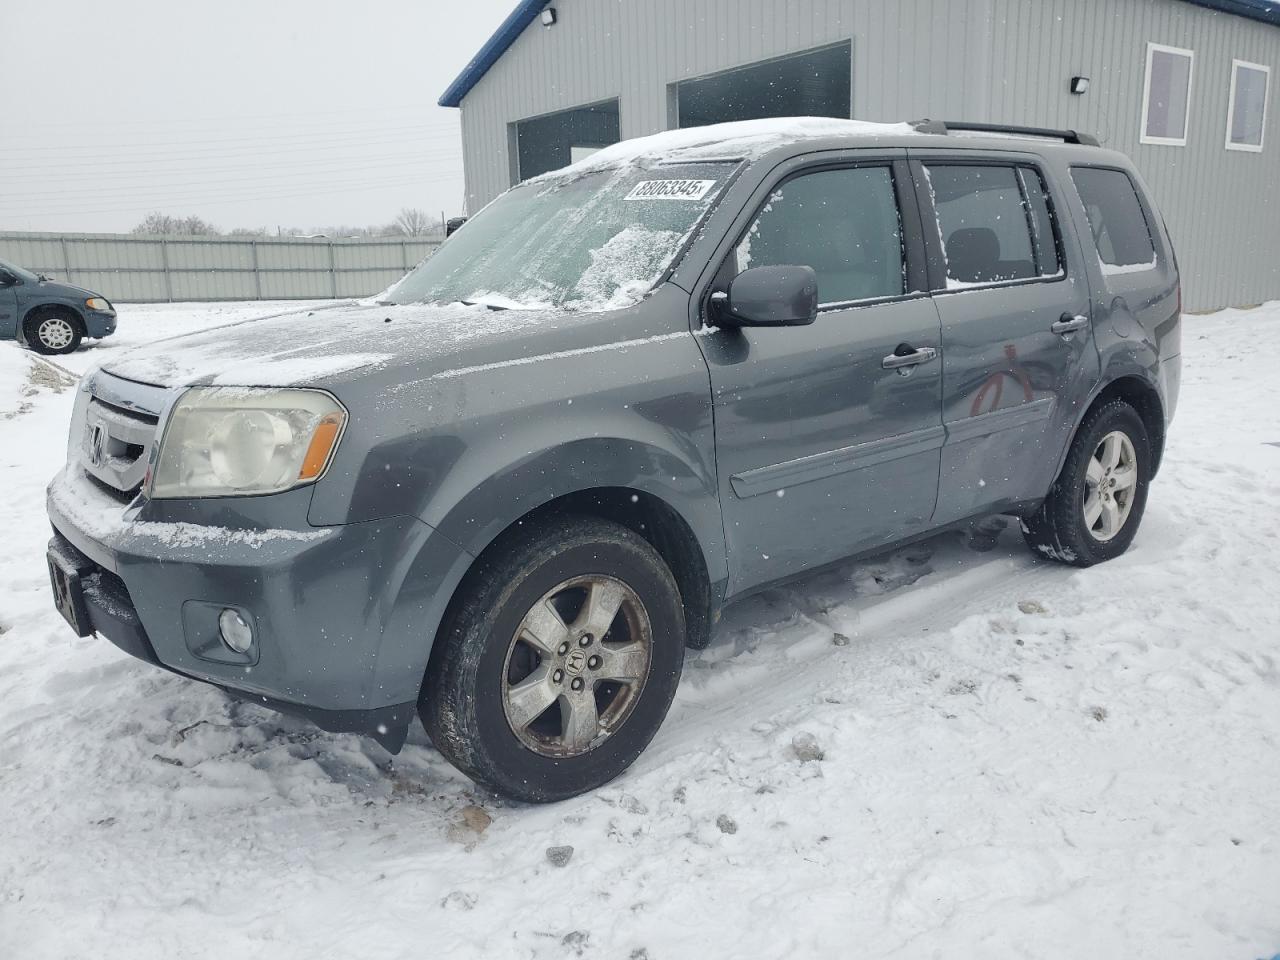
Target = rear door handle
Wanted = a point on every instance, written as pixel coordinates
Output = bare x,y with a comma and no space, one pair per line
1069,323
909,357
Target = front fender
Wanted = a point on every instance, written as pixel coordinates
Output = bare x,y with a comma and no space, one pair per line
34,303
687,486
421,584
469,451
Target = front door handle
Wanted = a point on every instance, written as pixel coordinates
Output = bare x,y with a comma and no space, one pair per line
906,356
1069,323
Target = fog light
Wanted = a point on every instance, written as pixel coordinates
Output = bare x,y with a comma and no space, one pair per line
235,630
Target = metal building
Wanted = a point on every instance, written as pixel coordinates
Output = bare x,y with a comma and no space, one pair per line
1182,86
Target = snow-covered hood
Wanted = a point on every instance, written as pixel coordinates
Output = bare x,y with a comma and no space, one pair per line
330,345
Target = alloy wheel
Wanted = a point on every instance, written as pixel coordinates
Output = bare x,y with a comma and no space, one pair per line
577,665
1111,480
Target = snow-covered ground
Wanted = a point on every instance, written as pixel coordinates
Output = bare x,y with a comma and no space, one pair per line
951,751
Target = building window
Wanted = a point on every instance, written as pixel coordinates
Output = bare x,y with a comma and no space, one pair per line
555,140
815,83
842,223
1166,99
1247,110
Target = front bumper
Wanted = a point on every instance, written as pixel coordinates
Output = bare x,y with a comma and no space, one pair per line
339,612
98,324
110,613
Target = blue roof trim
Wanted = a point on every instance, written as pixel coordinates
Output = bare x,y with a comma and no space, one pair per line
524,14
1266,11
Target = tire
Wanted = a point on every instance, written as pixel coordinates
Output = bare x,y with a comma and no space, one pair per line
1094,508
54,332
488,679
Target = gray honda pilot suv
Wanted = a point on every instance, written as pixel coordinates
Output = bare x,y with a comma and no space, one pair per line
509,494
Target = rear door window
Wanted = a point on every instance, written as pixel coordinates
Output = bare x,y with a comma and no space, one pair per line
1116,219
986,224
1044,238
843,223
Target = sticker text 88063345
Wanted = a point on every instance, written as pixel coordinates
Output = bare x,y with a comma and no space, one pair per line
670,190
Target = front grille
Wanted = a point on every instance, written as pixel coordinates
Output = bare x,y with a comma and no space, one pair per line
122,497
116,445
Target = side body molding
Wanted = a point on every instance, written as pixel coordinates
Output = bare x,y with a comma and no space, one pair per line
752,483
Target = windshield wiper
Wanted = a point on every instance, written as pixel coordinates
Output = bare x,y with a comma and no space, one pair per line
491,306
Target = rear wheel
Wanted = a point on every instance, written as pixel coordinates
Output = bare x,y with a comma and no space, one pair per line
53,332
1093,511
559,661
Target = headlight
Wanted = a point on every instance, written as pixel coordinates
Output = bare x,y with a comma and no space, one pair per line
229,441
99,304
79,418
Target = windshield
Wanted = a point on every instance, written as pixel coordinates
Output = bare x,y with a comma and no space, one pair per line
596,241
17,271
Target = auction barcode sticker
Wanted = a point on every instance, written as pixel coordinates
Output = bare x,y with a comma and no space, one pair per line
670,190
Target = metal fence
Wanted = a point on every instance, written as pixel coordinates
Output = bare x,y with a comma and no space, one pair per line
144,269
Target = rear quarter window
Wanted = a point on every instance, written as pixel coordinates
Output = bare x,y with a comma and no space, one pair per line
1117,222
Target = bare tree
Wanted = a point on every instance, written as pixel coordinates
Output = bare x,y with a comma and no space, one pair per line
410,222
414,222
191,226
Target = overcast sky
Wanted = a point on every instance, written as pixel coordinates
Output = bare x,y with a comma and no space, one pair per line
298,113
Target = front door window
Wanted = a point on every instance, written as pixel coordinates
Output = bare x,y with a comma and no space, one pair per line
843,223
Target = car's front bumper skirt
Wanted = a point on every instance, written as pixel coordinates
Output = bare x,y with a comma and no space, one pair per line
109,611
343,616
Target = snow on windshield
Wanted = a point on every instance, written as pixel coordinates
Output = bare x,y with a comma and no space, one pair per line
589,242
625,267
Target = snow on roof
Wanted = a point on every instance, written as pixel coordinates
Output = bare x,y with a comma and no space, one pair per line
742,139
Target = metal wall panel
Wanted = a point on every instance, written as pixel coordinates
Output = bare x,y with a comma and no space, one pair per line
211,285
366,282
1006,61
128,268
195,255
42,251
132,287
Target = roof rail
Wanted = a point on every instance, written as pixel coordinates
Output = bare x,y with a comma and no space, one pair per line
943,127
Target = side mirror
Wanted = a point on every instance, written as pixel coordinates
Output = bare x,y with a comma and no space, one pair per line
781,296
7,279
452,224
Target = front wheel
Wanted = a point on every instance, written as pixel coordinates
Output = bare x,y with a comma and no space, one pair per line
1093,510
53,333
558,662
